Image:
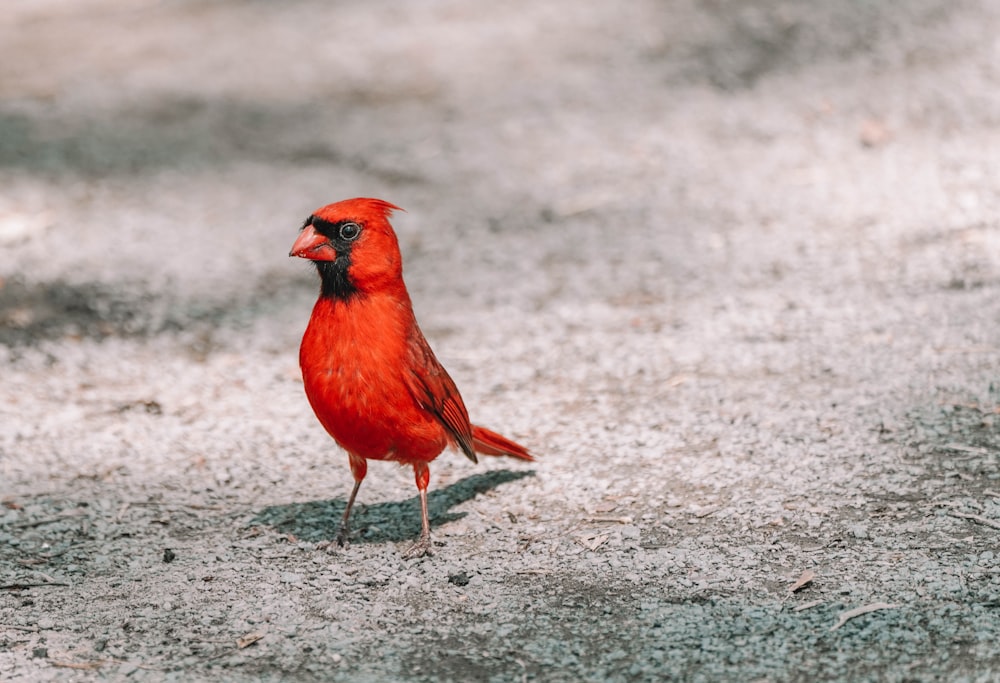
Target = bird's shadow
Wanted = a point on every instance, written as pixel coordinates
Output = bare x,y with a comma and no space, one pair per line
319,520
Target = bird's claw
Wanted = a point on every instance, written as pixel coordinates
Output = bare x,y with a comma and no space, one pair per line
419,549
343,538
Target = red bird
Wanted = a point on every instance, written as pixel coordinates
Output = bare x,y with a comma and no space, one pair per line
370,376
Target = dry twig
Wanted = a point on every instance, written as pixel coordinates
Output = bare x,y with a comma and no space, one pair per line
18,585
976,518
86,666
97,664
858,611
249,639
807,605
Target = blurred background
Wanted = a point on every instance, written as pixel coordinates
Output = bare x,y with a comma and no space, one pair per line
731,266
156,157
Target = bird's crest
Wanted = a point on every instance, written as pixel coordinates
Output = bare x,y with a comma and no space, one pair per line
359,208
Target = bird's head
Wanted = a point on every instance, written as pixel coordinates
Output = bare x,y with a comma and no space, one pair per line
353,247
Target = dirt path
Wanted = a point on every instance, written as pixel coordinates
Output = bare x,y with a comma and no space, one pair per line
733,268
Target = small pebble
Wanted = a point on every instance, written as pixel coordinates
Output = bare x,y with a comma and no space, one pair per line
459,579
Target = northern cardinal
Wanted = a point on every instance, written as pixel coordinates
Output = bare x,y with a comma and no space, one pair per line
369,374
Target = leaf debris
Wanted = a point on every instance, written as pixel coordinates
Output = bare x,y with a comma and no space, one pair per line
804,580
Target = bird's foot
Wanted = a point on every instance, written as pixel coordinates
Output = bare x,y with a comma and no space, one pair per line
419,549
343,539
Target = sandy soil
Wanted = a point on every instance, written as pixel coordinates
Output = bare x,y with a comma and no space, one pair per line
731,266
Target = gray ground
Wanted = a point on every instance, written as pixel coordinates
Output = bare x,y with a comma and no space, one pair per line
731,266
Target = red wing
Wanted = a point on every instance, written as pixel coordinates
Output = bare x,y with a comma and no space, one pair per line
433,389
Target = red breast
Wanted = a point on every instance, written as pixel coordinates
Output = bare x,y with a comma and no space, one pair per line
358,352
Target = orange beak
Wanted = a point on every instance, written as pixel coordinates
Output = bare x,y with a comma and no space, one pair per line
313,246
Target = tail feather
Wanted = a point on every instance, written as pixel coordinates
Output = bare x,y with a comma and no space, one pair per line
490,443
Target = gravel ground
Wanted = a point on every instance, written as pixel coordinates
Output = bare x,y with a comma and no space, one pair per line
732,267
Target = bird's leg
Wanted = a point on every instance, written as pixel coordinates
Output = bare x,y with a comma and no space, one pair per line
423,546
359,467
345,523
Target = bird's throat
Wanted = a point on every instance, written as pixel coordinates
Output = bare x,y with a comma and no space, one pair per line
335,281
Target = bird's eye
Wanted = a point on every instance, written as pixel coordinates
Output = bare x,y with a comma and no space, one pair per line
350,231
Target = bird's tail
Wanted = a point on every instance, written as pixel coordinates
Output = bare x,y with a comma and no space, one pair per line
491,443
